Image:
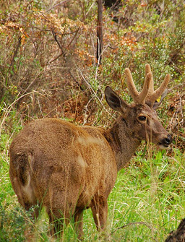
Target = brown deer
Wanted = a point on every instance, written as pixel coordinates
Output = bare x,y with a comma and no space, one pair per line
68,168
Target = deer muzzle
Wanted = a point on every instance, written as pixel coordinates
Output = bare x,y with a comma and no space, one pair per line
165,142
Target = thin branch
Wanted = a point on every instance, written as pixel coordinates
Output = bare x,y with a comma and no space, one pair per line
58,43
15,54
90,87
8,109
90,9
73,37
64,55
55,58
58,4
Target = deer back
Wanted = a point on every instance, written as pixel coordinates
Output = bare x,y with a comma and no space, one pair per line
76,160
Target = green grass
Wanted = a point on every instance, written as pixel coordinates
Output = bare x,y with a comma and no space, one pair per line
148,198
147,202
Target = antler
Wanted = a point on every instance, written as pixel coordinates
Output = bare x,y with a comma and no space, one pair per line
154,95
138,97
147,95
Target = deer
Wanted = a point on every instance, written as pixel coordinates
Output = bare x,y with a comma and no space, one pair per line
68,168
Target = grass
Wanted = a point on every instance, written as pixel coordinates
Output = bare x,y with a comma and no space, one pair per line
147,202
150,198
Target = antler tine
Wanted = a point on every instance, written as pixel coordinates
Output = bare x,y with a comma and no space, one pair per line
138,97
143,94
152,97
131,86
151,87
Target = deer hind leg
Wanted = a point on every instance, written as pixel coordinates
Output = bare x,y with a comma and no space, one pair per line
63,195
99,209
78,218
57,221
59,209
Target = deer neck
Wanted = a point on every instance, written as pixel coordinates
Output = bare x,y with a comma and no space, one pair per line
122,141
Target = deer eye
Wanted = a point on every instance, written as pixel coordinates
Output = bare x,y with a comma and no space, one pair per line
142,118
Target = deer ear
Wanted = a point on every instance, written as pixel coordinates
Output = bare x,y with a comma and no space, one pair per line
114,101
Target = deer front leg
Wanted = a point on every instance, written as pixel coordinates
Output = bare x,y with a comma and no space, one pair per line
99,209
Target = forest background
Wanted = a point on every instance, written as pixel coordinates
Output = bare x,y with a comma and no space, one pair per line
48,68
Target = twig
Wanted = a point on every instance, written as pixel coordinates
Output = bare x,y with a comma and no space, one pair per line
62,52
90,87
76,32
64,55
90,8
55,58
34,80
56,5
14,55
8,109
58,43
181,85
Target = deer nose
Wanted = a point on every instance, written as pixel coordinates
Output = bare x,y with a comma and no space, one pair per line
167,141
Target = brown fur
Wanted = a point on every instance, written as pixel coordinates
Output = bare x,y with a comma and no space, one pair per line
178,235
68,168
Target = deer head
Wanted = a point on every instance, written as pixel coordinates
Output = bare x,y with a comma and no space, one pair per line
140,117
